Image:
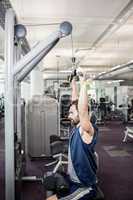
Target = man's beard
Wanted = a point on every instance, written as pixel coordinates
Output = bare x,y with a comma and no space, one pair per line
74,123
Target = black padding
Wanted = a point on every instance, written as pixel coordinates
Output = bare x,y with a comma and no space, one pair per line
56,147
54,138
57,184
50,183
62,186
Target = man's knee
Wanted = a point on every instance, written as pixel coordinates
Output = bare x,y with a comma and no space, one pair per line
53,197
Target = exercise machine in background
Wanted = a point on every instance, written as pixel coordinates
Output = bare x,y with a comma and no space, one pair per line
2,107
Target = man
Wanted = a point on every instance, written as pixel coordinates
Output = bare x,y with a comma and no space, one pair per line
81,156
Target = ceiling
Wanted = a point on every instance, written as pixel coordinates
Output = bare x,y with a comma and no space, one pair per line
102,34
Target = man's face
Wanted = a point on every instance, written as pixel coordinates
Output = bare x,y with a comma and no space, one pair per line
73,114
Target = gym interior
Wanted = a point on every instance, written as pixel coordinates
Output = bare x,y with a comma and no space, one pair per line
44,45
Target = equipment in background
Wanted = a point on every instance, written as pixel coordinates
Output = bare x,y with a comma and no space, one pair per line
92,104
130,112
2,107
59,151
65,84
102,108
50,92
128,133
65,123
93,118
107,111
116,115
65,101
99,109
42,121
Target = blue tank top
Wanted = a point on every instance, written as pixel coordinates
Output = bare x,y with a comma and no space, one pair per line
83,158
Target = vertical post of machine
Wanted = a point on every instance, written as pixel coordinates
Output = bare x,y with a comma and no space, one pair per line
9,106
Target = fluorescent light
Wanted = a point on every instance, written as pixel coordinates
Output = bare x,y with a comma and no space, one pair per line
115,67
101,73
115,81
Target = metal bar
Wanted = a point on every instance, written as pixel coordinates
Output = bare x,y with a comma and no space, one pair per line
35,52
32,178
9,114
24,73
17,90
19,117
34,62
115,71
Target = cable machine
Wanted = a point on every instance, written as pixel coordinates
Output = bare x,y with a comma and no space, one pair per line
17,68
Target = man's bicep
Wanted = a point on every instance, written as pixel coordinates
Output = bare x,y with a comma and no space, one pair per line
86,124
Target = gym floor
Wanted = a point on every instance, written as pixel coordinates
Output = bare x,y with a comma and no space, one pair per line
115,172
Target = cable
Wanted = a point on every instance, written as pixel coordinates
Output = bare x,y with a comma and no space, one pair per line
73,56
72,46
58,98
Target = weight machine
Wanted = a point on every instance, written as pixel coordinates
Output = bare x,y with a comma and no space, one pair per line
17,68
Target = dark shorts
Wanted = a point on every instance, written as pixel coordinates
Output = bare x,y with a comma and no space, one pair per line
79,191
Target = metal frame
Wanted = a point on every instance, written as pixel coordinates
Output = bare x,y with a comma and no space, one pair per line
16,70
9,102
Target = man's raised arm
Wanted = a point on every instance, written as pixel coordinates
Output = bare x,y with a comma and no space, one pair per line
83,108
74,90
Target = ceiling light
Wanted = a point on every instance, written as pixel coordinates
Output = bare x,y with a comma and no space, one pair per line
115,67
109,82
118,80
102,73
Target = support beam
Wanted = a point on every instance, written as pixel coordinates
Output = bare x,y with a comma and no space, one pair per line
9,113
25,71
65,30
35,52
